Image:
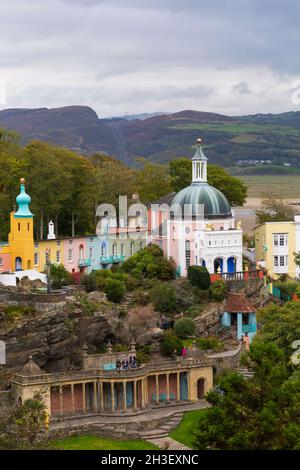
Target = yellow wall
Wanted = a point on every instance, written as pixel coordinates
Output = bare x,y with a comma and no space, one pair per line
41,248
264,236
195,374
21,241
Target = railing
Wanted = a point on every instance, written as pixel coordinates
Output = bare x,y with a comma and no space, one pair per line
83,263
238,275
112,259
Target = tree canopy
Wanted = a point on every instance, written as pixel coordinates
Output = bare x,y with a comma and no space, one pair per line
274,210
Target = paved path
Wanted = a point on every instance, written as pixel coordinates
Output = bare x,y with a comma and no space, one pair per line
231,352
167,443
152,414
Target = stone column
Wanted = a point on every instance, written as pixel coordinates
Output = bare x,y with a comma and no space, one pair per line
112,393
143,393
124,398
157,388
83,398
72,399
95,401
61,409
178,387
168,387
101,397
135,395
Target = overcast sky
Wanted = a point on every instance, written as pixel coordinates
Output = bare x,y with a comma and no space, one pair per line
133,56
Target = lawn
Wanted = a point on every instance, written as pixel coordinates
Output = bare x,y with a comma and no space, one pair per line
99,443
184,432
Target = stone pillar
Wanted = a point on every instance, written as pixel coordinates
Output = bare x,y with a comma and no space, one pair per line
101,396
168,387
124,398
112,393
178,387
61,408
95,401
143,393
157,389
72,399
83,398
135,395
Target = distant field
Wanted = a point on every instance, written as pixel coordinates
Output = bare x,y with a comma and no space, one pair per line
241,128
283,186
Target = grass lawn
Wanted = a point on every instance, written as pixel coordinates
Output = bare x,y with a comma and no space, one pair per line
184,432
99,443
284,186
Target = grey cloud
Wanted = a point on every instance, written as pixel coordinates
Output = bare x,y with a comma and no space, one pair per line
241,88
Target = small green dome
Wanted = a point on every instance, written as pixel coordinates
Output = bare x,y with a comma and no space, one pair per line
23,200
215,203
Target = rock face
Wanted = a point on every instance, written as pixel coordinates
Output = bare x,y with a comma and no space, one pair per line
54,338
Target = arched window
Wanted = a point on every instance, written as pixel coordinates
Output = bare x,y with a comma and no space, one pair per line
103,249
131,248
114,249
187,253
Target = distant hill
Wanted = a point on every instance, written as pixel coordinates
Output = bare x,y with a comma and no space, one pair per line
231,141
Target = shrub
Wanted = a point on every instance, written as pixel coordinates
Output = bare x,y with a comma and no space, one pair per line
209,343
149,263
218,291
287,288
184,327
199,277
60,276
143,354
115,290
12,312
163,298
170,343
90,282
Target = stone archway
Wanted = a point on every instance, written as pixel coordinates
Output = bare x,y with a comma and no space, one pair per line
218,265
18,263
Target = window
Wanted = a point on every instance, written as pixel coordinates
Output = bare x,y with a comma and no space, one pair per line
91,252
275,260
1,261
70,255
122,249
91,240
114,250
36,245
58,242
28,226
187,253
131,248
275,238
70,242
280,239
103,249
196,260
58,256
19,227
283,261
36,259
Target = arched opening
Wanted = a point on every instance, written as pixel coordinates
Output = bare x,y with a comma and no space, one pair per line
81,252
200,389
103,249
18,263
218,265
203,263
231,265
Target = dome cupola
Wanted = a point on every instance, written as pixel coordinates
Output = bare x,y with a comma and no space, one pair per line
200,193
23,200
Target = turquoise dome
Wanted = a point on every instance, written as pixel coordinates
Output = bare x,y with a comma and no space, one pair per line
215,203
23,200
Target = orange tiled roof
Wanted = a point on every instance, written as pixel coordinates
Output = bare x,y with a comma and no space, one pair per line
238,303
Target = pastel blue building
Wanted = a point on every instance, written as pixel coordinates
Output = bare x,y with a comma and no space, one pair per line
239,316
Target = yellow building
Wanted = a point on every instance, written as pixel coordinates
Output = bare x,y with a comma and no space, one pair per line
20,238
275,244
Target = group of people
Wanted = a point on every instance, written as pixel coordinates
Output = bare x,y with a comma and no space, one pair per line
126,364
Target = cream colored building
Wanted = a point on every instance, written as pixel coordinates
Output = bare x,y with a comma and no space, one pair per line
275,244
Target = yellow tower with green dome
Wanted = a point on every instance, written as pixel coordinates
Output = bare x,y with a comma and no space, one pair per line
20,238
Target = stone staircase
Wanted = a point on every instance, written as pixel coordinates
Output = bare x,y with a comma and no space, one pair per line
164,429
248,374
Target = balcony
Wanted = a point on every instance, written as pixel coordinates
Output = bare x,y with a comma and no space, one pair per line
112,259
84,263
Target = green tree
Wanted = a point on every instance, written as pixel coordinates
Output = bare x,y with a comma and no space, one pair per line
170,344
274,210
257,413
153,181
115,290
233,188
149,262
23,426
164,299
199,277
218,291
